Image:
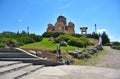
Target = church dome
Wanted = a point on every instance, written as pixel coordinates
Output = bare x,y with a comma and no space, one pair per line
70,24
50,25
61,19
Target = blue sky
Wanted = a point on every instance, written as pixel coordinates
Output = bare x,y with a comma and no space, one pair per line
17,15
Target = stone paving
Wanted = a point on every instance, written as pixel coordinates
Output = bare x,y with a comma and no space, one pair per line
16,69
74,72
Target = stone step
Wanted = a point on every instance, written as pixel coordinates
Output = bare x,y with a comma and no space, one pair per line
7,69
8,63
15,55
22,72
11,52
35,61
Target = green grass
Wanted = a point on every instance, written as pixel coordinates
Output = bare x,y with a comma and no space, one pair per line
44,44
91,61
68,48
48,45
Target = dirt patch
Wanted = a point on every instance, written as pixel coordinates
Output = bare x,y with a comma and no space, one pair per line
43,53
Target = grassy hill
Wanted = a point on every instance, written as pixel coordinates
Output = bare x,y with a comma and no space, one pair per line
47,45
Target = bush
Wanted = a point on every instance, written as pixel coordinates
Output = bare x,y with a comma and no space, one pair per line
12,42
56,34
52,34
115,43
65,37
75,42
84,40
25,40
77,35
36,38
47,34
118,47
16,39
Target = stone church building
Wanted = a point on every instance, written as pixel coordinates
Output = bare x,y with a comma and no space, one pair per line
61,26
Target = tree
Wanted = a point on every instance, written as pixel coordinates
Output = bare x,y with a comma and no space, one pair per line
52,34
48,34
16,39
105,38
95,36
116,43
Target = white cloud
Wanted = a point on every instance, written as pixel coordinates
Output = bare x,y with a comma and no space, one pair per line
101,30
65,6
112,38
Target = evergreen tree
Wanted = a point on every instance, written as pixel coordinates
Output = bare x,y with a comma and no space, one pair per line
95,36
105,38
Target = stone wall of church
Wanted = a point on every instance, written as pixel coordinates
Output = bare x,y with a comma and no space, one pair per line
60,26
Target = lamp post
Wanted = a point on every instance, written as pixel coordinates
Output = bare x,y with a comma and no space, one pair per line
95,29
28,30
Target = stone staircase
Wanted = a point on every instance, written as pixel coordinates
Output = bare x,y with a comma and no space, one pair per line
16,63
14,53
16,69
17,54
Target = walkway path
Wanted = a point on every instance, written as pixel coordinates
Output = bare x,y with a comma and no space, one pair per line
74,72
111,59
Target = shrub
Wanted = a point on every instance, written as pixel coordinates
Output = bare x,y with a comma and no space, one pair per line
47,34
115,43
56,34
15,39
84,40
118,47
25,40
36,38
65,37
75,42
77,35
105,38
12,42
52,34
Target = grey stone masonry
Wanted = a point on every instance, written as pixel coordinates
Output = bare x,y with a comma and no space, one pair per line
16,69
17,54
